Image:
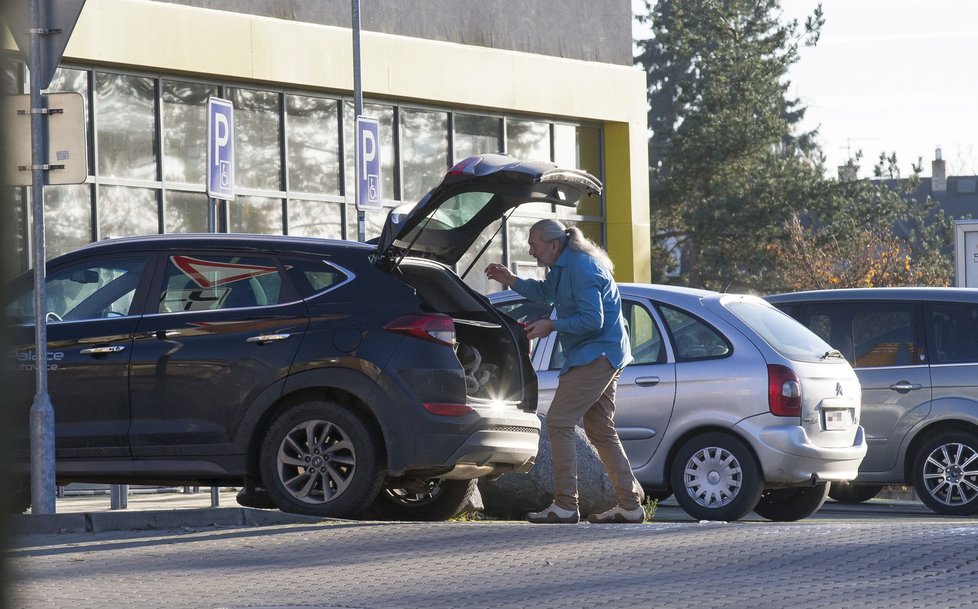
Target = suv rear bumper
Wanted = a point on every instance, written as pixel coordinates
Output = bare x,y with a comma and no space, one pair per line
788,456
490,446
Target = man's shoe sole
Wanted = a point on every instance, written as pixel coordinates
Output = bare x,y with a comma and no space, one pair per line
616,519
553,519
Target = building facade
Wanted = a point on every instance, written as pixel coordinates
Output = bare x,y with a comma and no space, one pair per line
445,79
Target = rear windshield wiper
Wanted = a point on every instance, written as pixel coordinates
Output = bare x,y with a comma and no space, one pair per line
832,353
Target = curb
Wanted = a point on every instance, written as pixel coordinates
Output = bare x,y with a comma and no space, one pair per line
143,520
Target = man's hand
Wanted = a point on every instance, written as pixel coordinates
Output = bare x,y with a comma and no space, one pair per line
500,273
539,328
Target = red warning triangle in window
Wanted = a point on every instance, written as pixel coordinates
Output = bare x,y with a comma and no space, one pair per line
218,273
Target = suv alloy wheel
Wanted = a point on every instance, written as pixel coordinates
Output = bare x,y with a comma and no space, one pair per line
322,459
945,473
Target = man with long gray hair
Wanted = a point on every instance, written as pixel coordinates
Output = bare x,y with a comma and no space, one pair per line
592,333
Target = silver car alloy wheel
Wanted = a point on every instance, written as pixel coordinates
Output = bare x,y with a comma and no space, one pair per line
951,474
316,461
713,477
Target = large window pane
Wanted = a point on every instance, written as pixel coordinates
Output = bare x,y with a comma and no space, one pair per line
592,230
424,151
186,212
529,141
385,118
579,147
72,80
10,78
124,211
258,159
67,218
313,144
126,126
255,215
476,135
373,222
185,131
316,219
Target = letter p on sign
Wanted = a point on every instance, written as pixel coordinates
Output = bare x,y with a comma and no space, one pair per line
368,164
220,148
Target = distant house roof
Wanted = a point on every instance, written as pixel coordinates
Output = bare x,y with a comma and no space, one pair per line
959,201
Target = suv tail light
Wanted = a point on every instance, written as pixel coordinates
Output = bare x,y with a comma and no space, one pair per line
783,391
436,328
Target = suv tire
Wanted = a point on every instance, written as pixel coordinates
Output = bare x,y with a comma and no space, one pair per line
322,459
18,496
434,500
716,477
790,504
945,473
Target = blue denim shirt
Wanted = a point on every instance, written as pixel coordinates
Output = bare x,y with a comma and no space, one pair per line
589,322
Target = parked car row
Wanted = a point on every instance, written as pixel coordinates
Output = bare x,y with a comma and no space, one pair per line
353,380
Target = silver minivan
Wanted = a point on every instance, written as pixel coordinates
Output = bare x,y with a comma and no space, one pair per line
915,351
729,404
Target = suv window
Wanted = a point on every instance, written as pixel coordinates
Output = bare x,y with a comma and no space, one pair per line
954,328
884,336
693,339
312,276
91,290
210,282
869,334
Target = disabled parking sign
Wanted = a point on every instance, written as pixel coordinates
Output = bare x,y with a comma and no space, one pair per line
368,164
220,149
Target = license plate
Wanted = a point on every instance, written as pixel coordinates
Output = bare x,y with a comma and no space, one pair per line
838,419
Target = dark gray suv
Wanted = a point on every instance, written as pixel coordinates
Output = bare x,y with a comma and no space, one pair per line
915,351
328,377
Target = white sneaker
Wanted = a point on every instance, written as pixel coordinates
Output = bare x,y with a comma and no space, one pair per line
619,514
554,514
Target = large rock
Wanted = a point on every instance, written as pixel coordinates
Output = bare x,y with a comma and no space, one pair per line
511,496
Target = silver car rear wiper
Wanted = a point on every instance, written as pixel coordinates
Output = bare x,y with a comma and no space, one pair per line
832,353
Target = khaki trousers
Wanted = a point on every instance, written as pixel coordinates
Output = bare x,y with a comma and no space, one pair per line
588,392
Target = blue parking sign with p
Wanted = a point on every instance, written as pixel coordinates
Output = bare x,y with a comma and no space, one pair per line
368,164
220,148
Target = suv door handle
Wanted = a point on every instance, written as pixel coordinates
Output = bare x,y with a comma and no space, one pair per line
267,338
905,386
647,381
102,350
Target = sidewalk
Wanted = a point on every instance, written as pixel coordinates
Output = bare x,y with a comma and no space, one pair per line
149,510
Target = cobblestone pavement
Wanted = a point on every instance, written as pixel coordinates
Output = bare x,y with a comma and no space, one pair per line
906,562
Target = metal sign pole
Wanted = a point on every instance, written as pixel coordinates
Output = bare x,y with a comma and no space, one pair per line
357,111
42,412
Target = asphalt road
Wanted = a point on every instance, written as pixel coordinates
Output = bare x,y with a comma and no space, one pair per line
882,554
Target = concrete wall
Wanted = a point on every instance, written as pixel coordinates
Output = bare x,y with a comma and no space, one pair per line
592,30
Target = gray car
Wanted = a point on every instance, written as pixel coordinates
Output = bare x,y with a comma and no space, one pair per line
915,351
729,404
